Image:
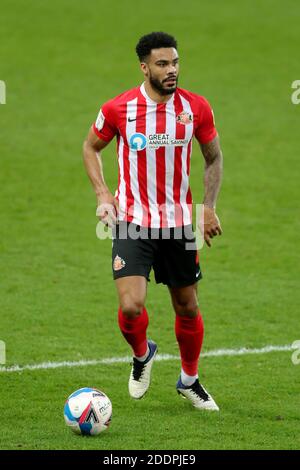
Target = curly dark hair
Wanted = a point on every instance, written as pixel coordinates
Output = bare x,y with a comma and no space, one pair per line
153,41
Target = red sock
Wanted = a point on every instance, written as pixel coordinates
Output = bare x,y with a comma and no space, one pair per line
189,334
134,331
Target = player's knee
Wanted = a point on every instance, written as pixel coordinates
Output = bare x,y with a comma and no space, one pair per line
187,308
131,308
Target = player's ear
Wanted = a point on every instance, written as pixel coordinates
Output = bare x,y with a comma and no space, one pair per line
144,68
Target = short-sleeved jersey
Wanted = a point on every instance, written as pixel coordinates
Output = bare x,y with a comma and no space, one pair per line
154,145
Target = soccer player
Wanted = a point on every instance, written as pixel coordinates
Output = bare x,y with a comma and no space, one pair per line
151,210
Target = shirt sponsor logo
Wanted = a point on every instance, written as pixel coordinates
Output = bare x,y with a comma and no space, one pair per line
184,118
139,141
158,140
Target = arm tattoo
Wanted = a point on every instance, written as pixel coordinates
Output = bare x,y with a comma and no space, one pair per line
213,171
211,150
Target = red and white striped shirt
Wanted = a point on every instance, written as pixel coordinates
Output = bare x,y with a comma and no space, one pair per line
154,144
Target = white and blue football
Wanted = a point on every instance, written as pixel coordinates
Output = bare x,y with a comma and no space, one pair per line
88,411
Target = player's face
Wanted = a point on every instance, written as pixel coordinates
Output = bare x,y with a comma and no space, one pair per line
161,69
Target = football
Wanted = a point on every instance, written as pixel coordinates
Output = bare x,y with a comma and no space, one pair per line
88,411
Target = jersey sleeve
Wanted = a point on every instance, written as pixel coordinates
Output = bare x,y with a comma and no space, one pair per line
205,131
105,126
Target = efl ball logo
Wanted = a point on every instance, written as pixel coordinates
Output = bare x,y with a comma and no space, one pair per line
88,411
137,141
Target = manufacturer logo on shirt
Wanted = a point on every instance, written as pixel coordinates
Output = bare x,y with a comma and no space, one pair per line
184,118
139,141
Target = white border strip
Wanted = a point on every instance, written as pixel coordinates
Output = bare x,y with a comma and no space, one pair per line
159,357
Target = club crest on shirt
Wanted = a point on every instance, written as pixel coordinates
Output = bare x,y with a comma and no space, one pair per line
184,118
118,264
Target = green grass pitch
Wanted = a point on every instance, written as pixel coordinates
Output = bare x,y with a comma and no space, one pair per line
60,60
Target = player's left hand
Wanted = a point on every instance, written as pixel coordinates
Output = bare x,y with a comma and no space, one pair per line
212,226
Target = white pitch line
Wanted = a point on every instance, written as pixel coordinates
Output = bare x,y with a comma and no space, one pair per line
159,357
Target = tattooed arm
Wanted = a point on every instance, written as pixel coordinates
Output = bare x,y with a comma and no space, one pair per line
213,171
212,182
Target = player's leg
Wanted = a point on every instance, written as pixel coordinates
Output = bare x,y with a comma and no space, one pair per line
189,331
132,314
178,267
132,261
133,322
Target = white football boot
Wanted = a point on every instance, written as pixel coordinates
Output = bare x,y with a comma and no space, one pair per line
197,395
140,375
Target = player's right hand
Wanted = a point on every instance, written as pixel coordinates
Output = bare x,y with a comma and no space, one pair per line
107,209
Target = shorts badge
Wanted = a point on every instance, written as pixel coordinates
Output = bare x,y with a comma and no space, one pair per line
119,263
